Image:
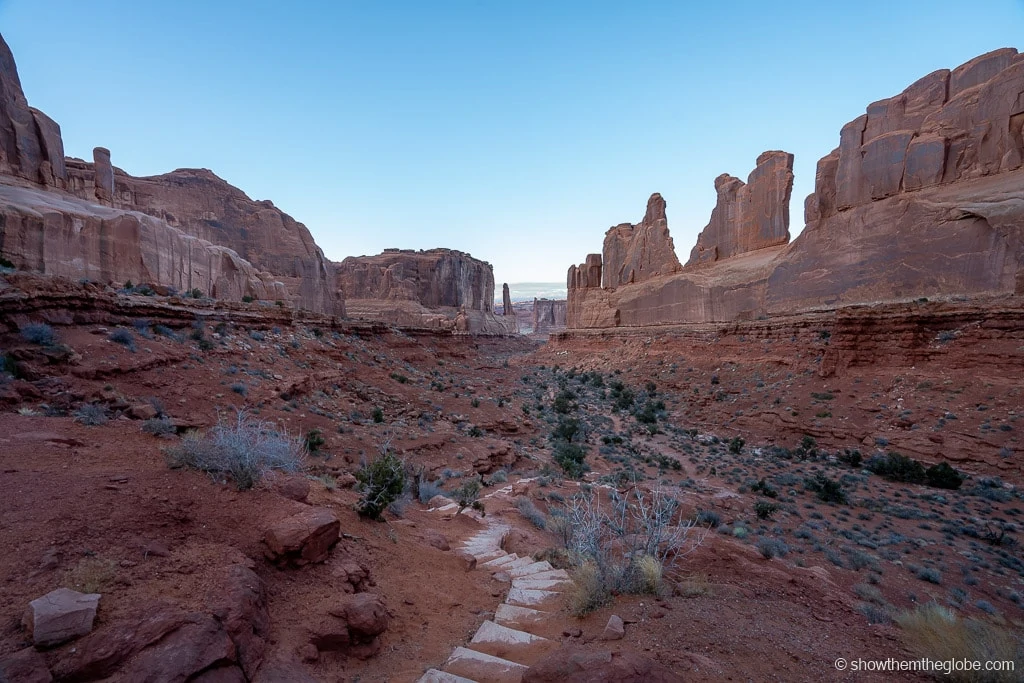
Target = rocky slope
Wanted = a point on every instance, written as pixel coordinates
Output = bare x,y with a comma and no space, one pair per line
434,288
923,198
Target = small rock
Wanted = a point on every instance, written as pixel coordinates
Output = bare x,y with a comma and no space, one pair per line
467,561
155,549
573,633
51,559
437,540
60,615
615,629
303,538
364,613
502,576
292,487
141,411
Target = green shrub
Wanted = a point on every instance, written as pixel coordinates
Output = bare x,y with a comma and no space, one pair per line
896,467
91,414
314,441
736,446
571,458
381,482
378,415
764,509
828,490
943,476
468,494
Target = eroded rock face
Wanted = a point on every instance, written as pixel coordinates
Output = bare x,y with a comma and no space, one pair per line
260,251
548,315
634,253
924,197
748,216
434,288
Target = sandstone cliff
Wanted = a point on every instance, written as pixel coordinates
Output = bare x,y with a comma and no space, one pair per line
923,198
635,253
548,315
437,288
748,216
200,231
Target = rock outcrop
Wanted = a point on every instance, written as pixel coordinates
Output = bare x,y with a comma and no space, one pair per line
506,301
197,232
635,253
924,197
748,216
434,288
548,315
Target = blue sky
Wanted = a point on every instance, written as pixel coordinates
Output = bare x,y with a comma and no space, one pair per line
516,131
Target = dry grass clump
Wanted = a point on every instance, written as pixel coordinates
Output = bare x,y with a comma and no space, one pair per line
938,633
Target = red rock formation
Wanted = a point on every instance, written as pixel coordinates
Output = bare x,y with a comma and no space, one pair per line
207,234
30,143
548,315
923,198
635,253
422,288
506,301
748,216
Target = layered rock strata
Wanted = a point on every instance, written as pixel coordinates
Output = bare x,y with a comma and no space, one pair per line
433,288
924,197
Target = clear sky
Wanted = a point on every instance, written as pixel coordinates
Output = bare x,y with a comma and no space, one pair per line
518,131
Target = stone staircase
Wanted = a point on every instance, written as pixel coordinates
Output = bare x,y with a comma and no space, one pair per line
521,631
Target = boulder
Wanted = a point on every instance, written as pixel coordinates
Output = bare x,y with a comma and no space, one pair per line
293,487
141,411
364,613
615,629
239,602
60,616
572,664
303,538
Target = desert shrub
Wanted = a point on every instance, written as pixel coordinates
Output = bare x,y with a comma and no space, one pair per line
571,458
530,512
896,467
39,333
694,586
378,415
158,426
165,331
467,494
626,543
124,337
247,299
428,490
828,490
91,414
851,458
764,488
256,335
736,445
563,402
381,482
929,574
9,365
938,633
567,429
876,614
764,509
498,477
240,388
943,476
244,450
648,414
771,547
709,518
92,575
589,591
314,441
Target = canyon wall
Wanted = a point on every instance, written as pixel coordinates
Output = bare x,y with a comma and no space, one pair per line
437,288
924,197
548,315
188,229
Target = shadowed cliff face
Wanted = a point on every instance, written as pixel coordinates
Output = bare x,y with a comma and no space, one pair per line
198,231
923,197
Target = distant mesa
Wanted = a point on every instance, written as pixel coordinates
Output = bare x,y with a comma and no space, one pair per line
924,197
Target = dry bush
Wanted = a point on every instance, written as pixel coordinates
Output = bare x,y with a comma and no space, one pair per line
92,575
589,590
938,633
694,586
244,450
628,542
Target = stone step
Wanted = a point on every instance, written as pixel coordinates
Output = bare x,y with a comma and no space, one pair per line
480,666
482,557
435,676
527,597
522,618
515,564
501,561
551,574
540,584
509,643
526,569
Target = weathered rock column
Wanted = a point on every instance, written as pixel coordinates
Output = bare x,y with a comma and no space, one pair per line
506,300
104,178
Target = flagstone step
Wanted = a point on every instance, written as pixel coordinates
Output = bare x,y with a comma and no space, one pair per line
509,643
529,568
435,676
481,666
526,597
531,583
